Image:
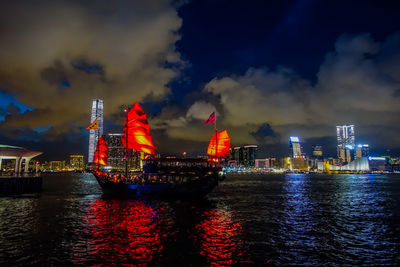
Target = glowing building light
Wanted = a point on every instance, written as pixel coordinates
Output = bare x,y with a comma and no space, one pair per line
97,113
376,158
295,148
345,138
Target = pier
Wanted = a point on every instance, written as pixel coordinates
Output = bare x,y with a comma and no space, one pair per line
13,185
22,181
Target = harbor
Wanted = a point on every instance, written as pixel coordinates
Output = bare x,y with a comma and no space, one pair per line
251,220
199,133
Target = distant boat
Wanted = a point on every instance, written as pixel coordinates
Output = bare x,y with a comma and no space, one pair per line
165,177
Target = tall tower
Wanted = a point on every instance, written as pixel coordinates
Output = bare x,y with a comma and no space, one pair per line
345,141
295,147
97,113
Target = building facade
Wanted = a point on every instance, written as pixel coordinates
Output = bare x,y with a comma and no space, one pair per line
295,147
362,150
249,155
317,151
117,154
244,156
58,165
345,142
266,163
76,162
97,113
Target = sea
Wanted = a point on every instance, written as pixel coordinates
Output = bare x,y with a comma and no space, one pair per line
247,220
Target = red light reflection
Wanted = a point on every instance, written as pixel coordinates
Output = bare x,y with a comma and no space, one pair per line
219,238
120,232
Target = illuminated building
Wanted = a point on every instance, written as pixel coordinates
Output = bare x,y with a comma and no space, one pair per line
76,162
236,154
266,163
317,151
244,156
56,165
261,163
357,165
295,148
116,153
97,113
298,164
345,142
362,151
249,155
377,163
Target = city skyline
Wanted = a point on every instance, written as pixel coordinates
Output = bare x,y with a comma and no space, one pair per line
270,70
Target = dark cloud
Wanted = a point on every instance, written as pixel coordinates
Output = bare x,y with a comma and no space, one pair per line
263,132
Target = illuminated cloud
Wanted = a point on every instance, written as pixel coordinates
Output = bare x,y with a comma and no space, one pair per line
56,56
357,83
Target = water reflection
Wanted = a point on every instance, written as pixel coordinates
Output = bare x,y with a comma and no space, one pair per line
120,232
297,225
361,220
219,237
249,220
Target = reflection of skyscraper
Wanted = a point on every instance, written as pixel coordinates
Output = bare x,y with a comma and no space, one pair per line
295,148
345,142
97,113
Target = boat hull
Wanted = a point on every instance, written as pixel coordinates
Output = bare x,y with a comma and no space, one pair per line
196,188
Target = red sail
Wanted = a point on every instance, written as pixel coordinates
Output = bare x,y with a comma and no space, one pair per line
224,144
101,153
137,130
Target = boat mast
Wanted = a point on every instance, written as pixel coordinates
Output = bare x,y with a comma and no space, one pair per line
126,142
216,137
98,148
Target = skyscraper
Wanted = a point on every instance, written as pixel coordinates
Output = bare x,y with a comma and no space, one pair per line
117,153
244,156
97,113
295,148
249,155
345,142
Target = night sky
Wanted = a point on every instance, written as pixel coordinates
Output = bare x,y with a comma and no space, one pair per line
270,69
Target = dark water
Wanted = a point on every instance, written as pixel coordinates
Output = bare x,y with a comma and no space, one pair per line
246,220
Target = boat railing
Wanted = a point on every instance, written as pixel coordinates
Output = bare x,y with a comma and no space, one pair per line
144,178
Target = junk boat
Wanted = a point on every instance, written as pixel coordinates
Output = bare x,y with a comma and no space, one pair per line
160,177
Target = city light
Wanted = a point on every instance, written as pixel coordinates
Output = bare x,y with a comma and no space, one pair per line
376,158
